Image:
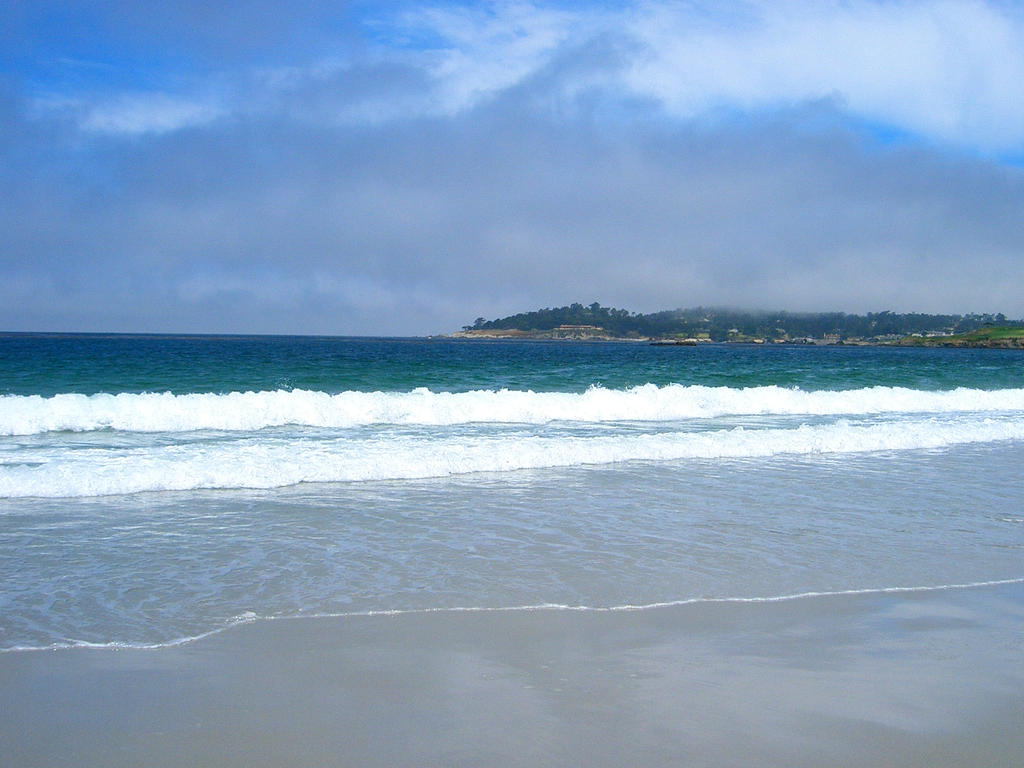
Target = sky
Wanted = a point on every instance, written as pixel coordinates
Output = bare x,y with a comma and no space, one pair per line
402,168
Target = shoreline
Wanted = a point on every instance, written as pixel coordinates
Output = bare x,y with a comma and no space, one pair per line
540,608
915,342
870,679
546,336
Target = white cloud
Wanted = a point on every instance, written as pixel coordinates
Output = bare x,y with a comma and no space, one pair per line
142,113
488,50
950,70
130,114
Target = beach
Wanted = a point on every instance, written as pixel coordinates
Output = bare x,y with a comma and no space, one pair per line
917,678
512,383
360,552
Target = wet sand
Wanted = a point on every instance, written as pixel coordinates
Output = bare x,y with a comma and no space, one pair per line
910,679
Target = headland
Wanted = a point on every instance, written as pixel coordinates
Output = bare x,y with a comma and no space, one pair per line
701,325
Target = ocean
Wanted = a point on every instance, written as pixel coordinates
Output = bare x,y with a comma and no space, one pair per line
159,489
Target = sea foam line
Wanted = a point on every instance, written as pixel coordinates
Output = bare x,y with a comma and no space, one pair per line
249,411
265,462
250,618
628,607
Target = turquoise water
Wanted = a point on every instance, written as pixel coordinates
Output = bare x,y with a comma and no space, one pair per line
47,365
153,489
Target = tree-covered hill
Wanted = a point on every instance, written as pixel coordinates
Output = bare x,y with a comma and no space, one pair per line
720,324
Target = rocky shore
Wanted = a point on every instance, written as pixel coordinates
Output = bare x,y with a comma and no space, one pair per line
1008,338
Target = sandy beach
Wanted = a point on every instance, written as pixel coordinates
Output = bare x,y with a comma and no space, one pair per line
907,678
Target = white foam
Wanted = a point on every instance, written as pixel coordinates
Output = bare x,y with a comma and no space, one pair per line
270,461
125,645
248,411
249,617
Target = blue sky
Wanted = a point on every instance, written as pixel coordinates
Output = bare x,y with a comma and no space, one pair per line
403,168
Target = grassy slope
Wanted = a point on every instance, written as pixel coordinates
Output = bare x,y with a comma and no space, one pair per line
995,336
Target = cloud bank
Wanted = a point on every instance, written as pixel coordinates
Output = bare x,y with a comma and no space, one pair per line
403,169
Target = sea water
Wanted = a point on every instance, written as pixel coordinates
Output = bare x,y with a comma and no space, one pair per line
156,489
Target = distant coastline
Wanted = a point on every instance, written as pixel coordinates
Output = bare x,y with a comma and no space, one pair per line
1004,337
994,338
691,327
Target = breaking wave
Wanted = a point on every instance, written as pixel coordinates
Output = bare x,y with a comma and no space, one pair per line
250,411
276,460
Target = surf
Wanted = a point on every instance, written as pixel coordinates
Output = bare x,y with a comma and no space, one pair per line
290,457
22,415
